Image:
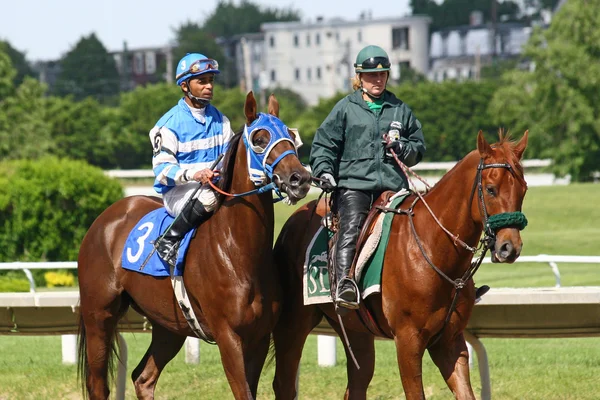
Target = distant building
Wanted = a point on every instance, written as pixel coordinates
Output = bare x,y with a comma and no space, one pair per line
316,59
138,67
460,52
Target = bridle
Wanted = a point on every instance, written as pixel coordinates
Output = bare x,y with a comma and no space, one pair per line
260,170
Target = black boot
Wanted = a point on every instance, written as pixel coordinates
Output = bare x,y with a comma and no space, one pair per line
192,215
480,291
353,206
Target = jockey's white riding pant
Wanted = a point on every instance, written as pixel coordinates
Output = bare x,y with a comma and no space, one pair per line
176,198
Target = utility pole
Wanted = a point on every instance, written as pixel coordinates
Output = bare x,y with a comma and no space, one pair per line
494,28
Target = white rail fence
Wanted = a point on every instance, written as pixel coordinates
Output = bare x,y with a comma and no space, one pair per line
523,312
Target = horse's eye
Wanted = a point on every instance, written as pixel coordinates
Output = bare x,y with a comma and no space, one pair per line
260,142
491,190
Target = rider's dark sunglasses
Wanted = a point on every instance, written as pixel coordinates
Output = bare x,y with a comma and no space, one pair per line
374,62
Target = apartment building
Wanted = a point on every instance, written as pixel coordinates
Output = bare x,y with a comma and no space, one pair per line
315,59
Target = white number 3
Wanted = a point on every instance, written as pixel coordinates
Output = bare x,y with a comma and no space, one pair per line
134,257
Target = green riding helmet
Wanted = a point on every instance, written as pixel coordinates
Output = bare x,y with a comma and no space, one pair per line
372,59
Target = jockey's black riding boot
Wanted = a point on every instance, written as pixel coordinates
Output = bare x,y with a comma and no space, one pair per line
353,207
192,215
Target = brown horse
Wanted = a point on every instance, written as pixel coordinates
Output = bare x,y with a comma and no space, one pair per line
427,293
229,275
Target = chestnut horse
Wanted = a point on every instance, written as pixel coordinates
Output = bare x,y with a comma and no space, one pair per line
427,292
229,275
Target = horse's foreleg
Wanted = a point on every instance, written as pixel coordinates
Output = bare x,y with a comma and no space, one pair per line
231,348
254,362
410,349
289,337
452,359
363,348
164,346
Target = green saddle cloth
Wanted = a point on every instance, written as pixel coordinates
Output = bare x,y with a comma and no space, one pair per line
316,275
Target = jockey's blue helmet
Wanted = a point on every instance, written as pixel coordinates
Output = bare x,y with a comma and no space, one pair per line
194,64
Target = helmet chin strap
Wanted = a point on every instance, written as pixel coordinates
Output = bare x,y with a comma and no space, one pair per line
371,95
204,102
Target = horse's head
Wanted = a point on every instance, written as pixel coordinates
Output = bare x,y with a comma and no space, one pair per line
272,151
499,192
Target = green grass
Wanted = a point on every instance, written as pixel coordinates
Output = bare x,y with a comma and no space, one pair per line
562,220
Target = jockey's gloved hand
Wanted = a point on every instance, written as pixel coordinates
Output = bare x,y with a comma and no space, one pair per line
328,182
398,148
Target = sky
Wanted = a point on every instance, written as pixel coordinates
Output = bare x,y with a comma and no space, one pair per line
47,29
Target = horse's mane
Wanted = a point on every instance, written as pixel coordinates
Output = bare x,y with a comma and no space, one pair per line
505,142
226,173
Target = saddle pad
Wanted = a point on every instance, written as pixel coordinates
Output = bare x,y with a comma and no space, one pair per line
369,266
140,243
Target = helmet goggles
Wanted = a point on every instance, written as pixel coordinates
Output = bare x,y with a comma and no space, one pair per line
373,63
199,67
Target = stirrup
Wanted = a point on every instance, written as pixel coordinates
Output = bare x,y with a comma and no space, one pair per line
349,286
170,257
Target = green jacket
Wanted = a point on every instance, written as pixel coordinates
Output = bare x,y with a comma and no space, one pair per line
348,144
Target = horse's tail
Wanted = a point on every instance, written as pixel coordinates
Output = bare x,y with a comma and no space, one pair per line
83,366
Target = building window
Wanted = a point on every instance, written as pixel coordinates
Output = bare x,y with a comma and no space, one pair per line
150,62
138,63
308,74
400,38
272,41
463,44
359,36
319,73
295,40
317,39
297,74
273,75
308,40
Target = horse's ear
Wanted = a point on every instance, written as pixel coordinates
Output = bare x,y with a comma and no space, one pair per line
273,105
483,146
522,145
250,108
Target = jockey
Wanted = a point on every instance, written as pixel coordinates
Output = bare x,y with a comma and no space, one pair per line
351,151
186,141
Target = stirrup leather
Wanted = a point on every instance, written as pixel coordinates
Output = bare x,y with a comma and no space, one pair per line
340,301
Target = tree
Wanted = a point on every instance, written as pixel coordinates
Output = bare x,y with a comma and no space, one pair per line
7,74
559,100
88,70
228,19
23,133
19,63
191,38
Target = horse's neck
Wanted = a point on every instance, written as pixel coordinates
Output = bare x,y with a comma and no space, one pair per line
252,208
450,200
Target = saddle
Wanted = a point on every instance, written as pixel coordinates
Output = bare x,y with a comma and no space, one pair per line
331,222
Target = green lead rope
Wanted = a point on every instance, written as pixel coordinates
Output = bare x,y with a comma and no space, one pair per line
503,220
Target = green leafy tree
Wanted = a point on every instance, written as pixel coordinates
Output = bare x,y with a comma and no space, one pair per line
451,114
559,100
7,74
47,205
228,19
138,111
23,133
88,70
191,38
19,63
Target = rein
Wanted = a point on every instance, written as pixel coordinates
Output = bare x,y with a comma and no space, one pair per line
490,225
